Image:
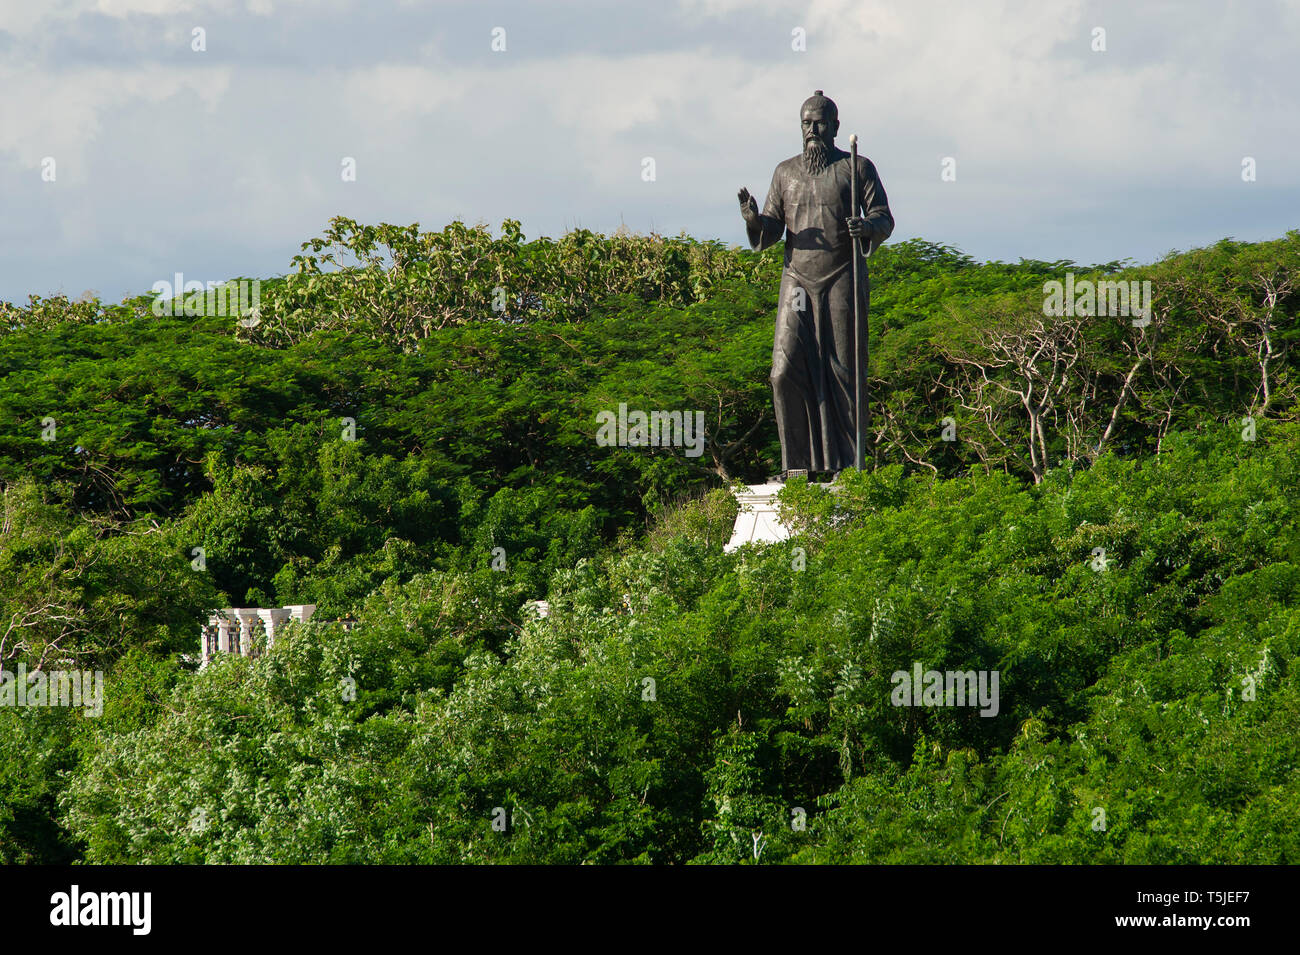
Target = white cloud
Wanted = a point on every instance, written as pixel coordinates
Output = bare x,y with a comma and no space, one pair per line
1061,151
62,114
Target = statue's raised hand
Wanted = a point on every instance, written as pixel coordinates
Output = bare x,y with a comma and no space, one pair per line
748,205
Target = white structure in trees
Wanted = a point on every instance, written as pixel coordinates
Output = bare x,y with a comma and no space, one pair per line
241,629
757,522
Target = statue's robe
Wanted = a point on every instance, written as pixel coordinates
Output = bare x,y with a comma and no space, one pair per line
814,363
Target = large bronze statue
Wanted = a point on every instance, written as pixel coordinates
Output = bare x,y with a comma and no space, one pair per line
817,348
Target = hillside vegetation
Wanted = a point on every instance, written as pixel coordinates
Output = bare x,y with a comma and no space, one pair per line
1102,510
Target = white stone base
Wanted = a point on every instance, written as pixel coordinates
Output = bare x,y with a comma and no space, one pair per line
757,521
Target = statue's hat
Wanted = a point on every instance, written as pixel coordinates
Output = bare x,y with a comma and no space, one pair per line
822,102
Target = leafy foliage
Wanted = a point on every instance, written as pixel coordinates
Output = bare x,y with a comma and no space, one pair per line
384,442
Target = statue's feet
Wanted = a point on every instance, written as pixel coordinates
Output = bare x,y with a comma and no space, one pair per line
813,477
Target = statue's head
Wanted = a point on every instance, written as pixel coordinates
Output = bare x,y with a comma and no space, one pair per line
819,120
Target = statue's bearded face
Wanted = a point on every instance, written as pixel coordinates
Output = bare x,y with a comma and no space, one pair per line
818,138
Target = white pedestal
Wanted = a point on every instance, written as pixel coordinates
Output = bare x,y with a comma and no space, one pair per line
757,521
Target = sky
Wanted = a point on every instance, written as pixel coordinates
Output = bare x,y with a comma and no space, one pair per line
1046,129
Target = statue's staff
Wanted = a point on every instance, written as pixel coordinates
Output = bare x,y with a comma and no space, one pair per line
861,339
